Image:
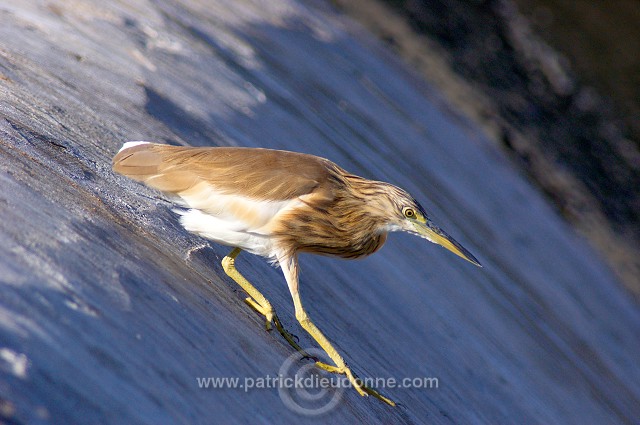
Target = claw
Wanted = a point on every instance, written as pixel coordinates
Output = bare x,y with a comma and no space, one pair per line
379,396
362,389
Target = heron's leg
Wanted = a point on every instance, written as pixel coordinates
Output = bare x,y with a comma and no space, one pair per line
256,300
289,268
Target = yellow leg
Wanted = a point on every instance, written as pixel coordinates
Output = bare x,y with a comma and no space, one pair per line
340,365
256,300
289,268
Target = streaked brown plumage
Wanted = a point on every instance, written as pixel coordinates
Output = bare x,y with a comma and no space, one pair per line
278,204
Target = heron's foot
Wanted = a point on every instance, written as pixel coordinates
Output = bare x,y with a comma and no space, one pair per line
339,366
258,302
271,317
356,382
266,311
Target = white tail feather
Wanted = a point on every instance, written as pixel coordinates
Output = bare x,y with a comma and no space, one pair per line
131,144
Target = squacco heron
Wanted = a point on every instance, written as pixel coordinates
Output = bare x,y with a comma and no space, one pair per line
278,204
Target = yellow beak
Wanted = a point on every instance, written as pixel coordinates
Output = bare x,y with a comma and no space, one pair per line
436,235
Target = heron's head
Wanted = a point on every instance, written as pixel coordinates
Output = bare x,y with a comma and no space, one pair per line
404,213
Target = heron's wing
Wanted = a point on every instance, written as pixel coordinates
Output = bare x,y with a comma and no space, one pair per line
226,180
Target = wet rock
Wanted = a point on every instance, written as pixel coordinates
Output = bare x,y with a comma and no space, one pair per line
110,312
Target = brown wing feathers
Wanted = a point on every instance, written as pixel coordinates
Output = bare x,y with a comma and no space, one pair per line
255,173
150,165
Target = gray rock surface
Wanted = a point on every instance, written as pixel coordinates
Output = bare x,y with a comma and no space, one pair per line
109,311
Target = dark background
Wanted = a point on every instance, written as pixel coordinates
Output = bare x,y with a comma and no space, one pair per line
554,83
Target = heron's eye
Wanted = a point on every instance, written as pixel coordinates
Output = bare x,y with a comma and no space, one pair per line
409,212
